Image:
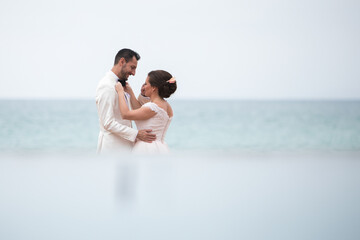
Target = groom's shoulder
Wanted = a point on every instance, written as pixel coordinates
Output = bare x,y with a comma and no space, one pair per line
106,77
105,87
105,81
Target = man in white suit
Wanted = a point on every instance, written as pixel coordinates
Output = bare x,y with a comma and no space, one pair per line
116,134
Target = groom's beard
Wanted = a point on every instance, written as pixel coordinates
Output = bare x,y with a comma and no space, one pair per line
123,77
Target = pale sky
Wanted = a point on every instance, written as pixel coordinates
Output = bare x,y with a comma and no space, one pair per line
258,49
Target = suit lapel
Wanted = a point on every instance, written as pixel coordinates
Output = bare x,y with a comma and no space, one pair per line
127,99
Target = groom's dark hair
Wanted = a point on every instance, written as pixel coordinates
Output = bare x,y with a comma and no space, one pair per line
126,53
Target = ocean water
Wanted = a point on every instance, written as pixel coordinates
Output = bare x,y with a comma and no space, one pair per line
236,126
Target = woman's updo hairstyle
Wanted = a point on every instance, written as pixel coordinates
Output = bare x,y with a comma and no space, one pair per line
159,79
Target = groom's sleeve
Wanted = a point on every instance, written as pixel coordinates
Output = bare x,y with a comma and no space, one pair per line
106,105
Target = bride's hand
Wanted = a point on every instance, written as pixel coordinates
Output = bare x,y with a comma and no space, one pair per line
128,88
119,88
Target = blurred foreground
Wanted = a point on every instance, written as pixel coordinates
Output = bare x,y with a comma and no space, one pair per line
197,196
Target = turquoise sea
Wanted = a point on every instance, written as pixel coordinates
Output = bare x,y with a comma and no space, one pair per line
198,125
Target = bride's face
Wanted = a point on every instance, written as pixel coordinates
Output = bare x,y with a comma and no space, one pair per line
148,89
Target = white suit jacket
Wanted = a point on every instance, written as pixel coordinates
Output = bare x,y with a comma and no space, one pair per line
116,134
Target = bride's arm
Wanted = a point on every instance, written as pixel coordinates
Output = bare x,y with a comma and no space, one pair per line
138,114
135,104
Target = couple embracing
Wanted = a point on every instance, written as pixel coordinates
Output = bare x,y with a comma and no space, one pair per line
117,106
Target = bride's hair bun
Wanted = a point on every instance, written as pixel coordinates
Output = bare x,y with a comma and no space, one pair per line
159,79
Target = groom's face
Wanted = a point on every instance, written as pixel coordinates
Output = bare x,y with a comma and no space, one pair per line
128,68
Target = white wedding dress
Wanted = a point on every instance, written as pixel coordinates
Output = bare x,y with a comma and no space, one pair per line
159,125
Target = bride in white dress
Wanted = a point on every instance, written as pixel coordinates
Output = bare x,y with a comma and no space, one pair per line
155,115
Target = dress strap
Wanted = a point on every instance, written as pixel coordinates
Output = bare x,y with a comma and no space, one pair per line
152,106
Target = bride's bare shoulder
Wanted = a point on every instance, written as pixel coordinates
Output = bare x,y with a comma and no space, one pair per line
169,109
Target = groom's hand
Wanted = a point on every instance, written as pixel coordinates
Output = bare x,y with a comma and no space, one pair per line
146,135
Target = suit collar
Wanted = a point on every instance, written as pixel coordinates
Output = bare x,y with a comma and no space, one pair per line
113,75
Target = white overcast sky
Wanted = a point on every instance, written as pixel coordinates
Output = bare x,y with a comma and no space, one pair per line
258,49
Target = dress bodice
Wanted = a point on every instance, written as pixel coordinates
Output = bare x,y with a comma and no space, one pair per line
158,123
